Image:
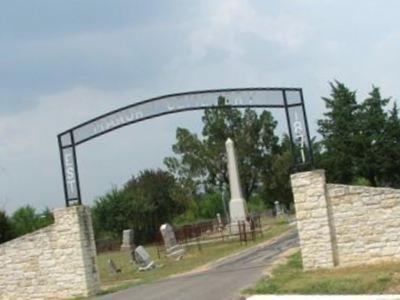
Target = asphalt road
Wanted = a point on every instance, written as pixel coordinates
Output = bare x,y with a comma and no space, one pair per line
223,281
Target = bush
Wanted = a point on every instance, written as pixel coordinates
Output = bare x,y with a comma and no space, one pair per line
210,205
256,205
143,204
361,181
207,207
187,217
25,220
6,230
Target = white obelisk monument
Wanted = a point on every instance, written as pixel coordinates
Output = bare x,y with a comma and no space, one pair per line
237,204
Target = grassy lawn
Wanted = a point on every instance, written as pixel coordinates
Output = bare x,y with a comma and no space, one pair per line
193,259
291,279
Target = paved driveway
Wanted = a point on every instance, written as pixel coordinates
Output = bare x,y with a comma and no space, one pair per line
224,281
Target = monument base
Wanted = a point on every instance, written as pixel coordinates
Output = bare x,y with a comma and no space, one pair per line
151,265
237,209
234,227
176,252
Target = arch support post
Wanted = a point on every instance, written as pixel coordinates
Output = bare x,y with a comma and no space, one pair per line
69,166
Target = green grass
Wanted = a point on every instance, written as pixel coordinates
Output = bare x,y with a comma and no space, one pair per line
291,279
192,260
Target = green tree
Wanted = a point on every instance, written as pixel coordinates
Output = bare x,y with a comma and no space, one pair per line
209,205
24,220
391,150
153,189
372,137
339,131
46,218
276,186
6,230
143,204
110,214
204,160
256,205
276,182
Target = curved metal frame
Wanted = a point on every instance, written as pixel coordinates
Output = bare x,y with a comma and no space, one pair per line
174,103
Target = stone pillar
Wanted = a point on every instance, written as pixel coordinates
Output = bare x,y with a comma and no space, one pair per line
75,253
55,262
219,220
237,204
310,199
278,210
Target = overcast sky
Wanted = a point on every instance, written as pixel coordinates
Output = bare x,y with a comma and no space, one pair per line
63,62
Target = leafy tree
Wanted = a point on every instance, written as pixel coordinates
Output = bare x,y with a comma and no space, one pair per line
153,190
256,204
6,230
24,220
204,160
46,218
339,131
209,205
276,186
110,215
276,181
143,204
372,137
391,150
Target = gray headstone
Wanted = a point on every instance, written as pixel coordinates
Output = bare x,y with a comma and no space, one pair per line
143,259
112,267
278,209
128,240
168,235
219,219
174,249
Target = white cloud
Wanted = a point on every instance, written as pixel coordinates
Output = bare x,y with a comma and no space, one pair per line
230,21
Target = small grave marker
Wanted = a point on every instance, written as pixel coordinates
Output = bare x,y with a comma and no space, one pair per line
128,240
112,267
174,249
278,209
143,259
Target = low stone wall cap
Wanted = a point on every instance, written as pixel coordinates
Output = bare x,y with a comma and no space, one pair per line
308,172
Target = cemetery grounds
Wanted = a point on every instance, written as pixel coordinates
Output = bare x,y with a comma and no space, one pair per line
197,256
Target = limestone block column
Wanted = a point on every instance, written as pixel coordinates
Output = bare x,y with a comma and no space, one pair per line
310,199
74,251
55,262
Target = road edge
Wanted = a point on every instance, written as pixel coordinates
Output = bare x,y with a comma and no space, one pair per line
234,256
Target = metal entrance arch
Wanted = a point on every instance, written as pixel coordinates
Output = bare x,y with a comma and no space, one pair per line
289,99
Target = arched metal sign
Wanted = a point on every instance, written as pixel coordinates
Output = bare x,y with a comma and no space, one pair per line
289,99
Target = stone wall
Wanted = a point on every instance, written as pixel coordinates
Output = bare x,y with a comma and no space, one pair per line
341,225
56,262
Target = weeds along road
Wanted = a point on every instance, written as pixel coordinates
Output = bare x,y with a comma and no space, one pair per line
223,281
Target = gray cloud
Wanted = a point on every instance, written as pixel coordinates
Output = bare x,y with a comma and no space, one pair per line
63,62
